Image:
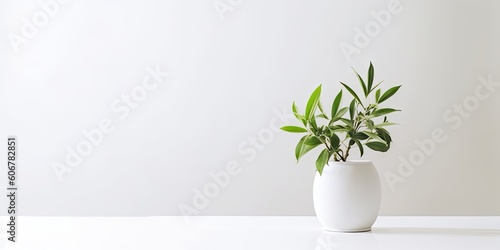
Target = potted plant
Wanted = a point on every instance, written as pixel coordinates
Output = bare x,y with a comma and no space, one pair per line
346,193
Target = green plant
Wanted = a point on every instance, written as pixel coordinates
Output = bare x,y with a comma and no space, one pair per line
355,123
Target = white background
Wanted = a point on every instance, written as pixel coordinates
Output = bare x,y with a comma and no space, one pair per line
228,79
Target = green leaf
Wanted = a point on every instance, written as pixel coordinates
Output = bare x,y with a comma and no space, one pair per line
322,160
323,114
327,132
321,130
389,93
312,103
360,146
377,95
384,134
384,111
385,124
360,136
335,141
347,122
369,124
363,85
304,121
373,136
314,126
339,115
371,73
352,93
378,84
336,104
352,109
301,149
312,141
295,111
293,129
297,114
377,146
337,128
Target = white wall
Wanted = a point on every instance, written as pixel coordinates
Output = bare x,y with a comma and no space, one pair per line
228,80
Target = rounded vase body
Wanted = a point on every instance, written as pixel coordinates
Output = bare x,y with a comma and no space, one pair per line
347,196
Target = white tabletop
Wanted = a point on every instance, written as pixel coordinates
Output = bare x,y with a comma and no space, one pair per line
240,233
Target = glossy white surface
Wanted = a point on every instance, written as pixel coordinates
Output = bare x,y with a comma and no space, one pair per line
240,233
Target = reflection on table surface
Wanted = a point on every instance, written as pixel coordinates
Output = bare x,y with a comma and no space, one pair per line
388,233
241,233
411,238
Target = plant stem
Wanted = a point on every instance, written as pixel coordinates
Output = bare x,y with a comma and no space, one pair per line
347,152
343,158
327,147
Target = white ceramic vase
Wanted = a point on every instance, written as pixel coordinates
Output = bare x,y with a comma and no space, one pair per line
347,196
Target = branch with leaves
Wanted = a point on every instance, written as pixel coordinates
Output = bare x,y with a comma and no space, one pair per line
356,124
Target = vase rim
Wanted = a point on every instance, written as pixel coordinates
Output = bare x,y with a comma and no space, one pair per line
351,162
